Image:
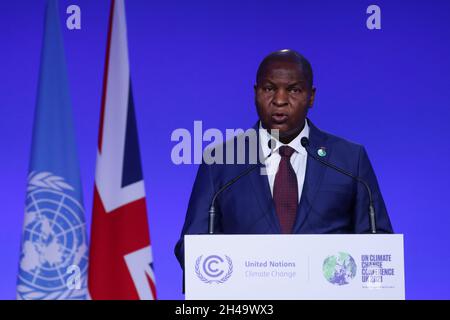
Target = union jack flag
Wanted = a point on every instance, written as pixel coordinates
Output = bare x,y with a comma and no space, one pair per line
120,258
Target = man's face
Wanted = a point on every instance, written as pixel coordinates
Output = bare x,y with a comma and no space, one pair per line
282,98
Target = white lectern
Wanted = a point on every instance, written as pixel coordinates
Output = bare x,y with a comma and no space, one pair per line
294,267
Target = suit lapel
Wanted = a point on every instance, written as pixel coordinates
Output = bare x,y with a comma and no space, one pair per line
262,191
313,179
313,176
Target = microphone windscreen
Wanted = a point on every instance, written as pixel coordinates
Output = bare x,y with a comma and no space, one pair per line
272,144
304,141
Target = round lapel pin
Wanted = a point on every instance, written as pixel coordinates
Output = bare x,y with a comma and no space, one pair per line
321,152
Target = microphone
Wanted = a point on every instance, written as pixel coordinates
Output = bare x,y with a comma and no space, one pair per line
305,143
212,208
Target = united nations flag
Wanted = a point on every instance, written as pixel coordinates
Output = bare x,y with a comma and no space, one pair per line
54,251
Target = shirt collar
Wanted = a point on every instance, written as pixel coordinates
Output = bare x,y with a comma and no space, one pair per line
264,137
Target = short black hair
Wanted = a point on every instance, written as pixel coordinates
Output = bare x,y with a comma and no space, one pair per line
287,55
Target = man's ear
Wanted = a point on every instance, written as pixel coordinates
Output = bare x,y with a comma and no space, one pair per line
313,96
255,86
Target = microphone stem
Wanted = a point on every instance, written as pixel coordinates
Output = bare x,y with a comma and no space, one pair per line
372,221
212,216
212,208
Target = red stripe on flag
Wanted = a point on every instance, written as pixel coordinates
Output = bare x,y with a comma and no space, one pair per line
105,76
152,286
114,235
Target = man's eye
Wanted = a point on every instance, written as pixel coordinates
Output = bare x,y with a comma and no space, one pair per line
268,89
295,90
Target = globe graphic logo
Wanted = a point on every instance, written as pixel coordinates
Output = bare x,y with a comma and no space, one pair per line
339,269
54,239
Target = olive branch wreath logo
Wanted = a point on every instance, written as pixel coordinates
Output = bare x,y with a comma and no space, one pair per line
222,280
47,181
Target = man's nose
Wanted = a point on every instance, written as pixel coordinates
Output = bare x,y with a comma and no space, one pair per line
280,98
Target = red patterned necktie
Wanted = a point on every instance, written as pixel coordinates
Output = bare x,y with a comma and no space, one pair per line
285,191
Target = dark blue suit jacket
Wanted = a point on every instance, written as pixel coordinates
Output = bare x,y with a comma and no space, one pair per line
330,202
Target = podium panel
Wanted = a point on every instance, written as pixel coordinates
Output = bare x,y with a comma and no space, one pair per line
335,267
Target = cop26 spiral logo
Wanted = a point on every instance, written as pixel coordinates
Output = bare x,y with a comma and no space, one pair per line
214,268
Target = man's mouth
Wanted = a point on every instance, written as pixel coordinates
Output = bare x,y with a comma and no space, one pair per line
279,118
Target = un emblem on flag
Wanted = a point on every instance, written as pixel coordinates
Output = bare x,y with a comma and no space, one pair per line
54,239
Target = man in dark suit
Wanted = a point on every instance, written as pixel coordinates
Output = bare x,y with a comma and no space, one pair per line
299,194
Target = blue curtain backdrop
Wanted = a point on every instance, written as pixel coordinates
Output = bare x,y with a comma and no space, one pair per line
196,60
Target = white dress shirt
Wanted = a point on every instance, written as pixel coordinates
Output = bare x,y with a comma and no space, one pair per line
298,158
